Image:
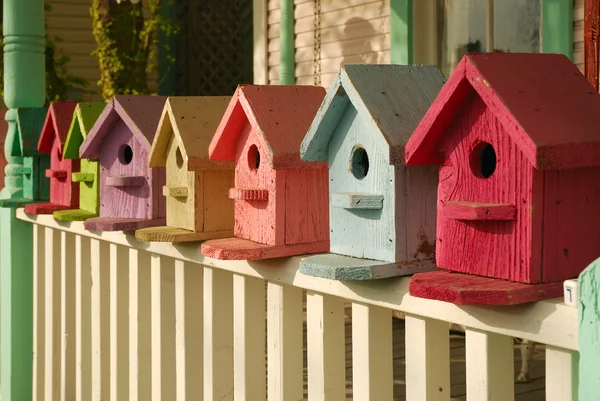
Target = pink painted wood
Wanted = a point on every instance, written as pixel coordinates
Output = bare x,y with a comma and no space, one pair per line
518,182
130,191
64,193
279,201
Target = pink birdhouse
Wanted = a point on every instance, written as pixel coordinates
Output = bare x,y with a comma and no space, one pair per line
64,193
517,139
280,202
121,138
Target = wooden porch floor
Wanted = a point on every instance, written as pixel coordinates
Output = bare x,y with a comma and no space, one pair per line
532,391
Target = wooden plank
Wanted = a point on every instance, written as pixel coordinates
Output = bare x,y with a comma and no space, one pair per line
218,335
39,321
372,353
260,41
284,342
52,314
477,211
67,341
562,370
427,359
241,249
119,323
140,326
250,381
356,201
490,372
163,328
83,321
325,329
189,340
100,316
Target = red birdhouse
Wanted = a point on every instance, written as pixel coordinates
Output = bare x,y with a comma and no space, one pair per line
280,202
64,193
517,138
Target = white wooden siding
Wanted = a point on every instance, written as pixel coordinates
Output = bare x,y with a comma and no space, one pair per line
578,34
352,31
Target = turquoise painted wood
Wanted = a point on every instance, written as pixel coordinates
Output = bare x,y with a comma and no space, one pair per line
24,87
380,210
588,306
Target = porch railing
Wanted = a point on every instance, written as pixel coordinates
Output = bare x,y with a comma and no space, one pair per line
119,319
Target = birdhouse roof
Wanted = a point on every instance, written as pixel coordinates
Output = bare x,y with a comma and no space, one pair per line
84,117
56,126
393,98
280,114
30,122
193,120
140,113
545,104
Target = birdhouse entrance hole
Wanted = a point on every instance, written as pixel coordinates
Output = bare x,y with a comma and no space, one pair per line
125,154
359,163
178,158
483,160
253,158
59,155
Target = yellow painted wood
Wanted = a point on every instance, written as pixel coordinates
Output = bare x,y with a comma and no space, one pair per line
175,192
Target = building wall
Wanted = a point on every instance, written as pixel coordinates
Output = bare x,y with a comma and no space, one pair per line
352,31
578,33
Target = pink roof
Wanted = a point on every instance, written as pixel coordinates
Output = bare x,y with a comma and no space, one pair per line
56,126
281,114
546,105
141,114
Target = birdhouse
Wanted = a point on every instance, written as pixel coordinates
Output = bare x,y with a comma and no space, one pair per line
87,177
517,141
130,191
280,202
64,193
196,190
381,213
24,180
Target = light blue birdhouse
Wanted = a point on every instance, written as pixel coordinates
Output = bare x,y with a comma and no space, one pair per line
382,213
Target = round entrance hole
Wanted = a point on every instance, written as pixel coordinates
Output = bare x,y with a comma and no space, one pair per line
125,154
253,158
359,163
178,158
483,160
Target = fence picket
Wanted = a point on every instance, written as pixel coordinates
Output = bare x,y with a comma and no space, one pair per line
561,367
119,323
284,342
372,353
39,328
67,321
249,339
140,347
490,366
188,330
83,321
52,314
218,335
427,359
100,266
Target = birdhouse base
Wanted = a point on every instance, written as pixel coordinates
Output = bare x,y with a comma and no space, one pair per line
17,202
119,224
74,215
44,208
464,289
171,234
243,249
345,268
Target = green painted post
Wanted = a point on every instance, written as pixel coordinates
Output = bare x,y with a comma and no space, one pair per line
589,332
557,27
287,75
24,87
401,31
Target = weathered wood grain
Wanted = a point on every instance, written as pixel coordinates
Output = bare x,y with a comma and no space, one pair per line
64,193
589,330
84,118
121,140
195,193
465,289
380,210
279,201
477,211
242,249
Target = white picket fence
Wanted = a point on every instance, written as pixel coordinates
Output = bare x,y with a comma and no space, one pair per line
118,319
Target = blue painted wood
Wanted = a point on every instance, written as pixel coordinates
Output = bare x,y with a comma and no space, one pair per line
380,210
